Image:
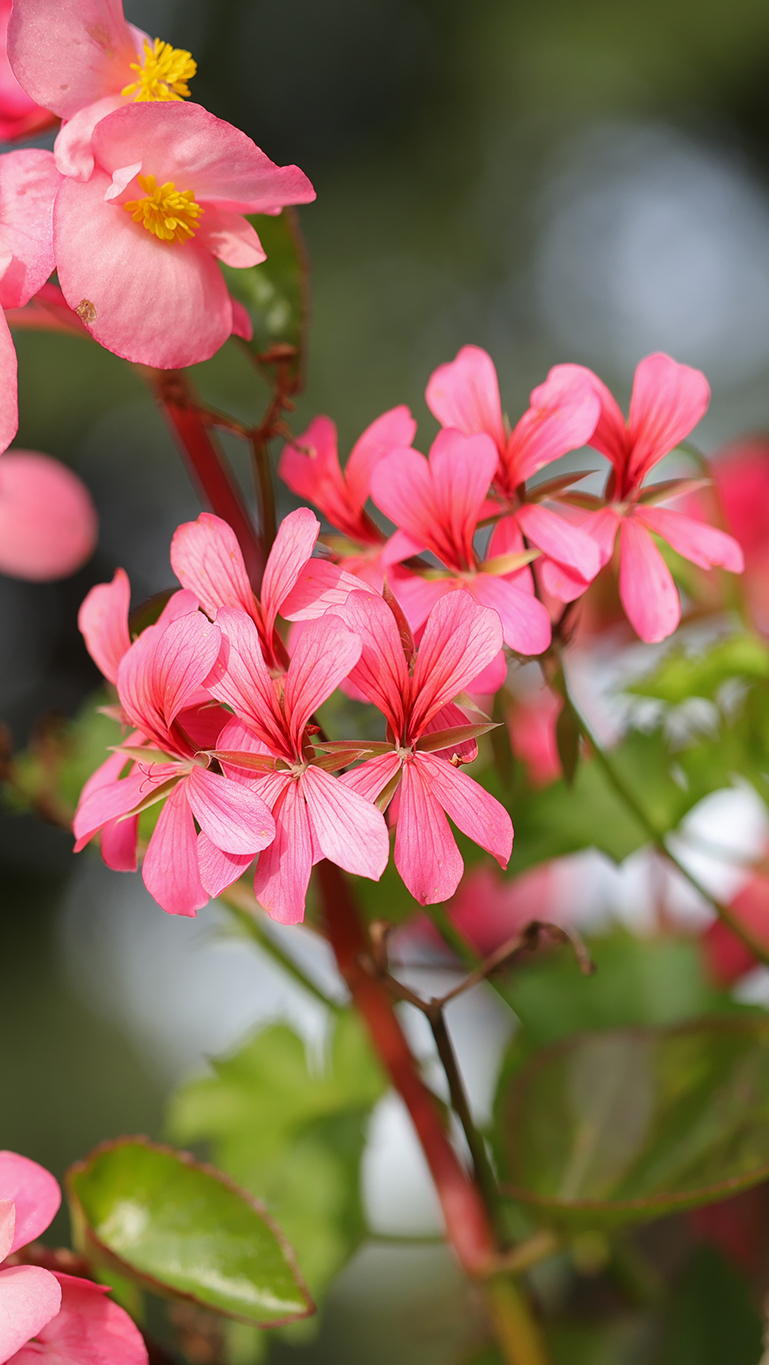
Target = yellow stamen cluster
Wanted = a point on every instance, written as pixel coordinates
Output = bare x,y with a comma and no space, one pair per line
163,74
169,213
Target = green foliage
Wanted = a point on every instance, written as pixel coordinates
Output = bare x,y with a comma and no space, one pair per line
682,675
711,1318
275,292
180,1229
292,1134
626,1125
50,774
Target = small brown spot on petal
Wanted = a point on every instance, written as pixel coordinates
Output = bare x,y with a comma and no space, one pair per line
86,311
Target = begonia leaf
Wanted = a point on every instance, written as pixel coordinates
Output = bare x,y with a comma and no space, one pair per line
276,295
627,1125
185,1231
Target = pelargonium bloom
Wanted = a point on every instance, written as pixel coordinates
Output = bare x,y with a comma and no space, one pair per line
316,816
564,410
20,116
48,522
437,504
667,401
310,466
160,685
460,639
137,242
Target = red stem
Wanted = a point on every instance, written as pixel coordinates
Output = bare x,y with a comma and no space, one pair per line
467,1223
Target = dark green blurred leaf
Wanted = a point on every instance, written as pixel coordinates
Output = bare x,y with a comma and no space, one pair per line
623,1126
682,675
185,1231
275,294
292,1134
567,739
711,1318
49,775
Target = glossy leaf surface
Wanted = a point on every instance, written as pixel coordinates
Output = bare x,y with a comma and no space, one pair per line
275,293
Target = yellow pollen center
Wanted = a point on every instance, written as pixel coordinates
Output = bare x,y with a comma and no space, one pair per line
162,74
169,213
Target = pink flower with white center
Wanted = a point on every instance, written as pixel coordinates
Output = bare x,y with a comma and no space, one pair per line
465,395
137,243
160,685
48,523
206,558
667,401
310,466
437,504
46,1315
460,639
20,116
315,815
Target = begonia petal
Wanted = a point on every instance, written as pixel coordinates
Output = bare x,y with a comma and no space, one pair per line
29,1298
29,182
9,395
73,52
73,148
231,238
89,1329
35,1193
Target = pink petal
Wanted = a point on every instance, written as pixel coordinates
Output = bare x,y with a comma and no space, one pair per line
71,53
381,673
473,810
398,547
29,1298
29,182
184,143
293,547
610,436
668,401
283,871
506,539
7,1226
566,585
170,869
703,544
402,486
488,681
562,417
115,799
73,148
218,869
180,603
325,653
48,524
242,326
231,814
426,854
462,469
525,622
465,394
118,844
19,115
310,466
460,639
320,587
35,1194
156,303
560,539
451,715
395,428
103,622
646,586
162,672
207,559
371,777
240,680
231,238
9,403
109,771
88,1330
603,526
348,830
416,595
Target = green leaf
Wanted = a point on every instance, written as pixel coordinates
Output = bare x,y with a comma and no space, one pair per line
50,774
293,1134
276,295
711,1318
184,1231
567,739
682,675
630,1124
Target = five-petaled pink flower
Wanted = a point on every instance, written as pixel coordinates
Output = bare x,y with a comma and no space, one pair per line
316,816
464,394
160,685
310,466
667,401
460,639
45,1315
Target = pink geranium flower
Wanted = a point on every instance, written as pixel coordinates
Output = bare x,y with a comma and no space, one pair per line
310,466
667,401
460,639
437,504
48,522
20,116
137,242
159,682
316,816
465,395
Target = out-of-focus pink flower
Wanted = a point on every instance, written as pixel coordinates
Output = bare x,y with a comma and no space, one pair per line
460,639
728,958
89,1329
20,116
316,816
489,909
668,400
437,503
310,466
531,721
564,410
48,523
137,242
206,558
160,685
741,475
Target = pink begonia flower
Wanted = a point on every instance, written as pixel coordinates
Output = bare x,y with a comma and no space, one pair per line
89,1329
460,639
20,116
667,401
206,558
48,523
316,816
464,394
310,466
137,243
159,681
437,504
